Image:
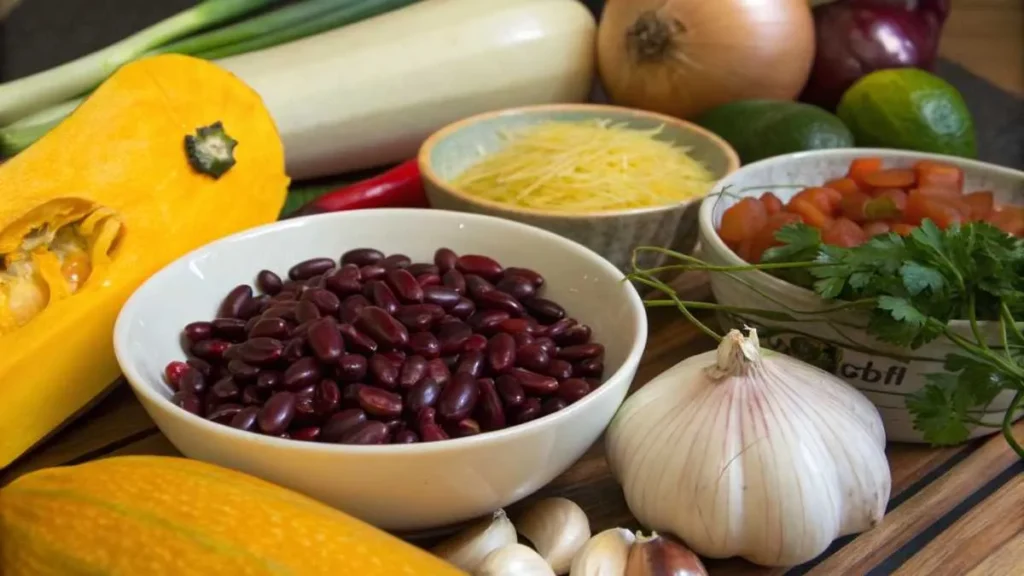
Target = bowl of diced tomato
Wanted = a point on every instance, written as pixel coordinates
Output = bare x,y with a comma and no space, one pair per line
849,195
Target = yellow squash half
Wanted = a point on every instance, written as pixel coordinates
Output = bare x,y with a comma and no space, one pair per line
168,154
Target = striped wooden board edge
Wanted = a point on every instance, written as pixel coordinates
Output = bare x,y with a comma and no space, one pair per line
953,510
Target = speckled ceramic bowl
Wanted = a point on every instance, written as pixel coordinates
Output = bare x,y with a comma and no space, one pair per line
451,150
886,374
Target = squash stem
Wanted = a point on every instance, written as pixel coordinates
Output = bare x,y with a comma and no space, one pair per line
38,91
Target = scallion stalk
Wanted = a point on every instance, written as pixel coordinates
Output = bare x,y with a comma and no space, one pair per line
38,91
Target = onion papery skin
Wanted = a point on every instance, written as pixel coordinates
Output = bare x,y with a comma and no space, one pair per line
684,57
771,466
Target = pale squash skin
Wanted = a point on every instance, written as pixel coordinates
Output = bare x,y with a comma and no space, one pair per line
156,516
121,154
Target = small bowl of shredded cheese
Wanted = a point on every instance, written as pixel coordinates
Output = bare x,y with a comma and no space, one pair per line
610,178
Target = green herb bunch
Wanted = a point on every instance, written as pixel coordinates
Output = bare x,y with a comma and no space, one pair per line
965,283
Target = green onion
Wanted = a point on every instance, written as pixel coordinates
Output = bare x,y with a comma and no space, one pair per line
36,92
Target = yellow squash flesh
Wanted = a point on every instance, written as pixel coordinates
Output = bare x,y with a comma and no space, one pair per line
98,205
156,516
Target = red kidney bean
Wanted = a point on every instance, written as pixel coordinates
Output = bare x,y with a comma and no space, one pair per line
429,430
380,403
519,326
489,411
404,285
423,395
268,380
269,327
362,256
253,306
300,332
477,286
578,334
559,370
573,389
450,361
188,402
325,301
276,415
517,287
306,311
308,268
326,397
370,432
533,357
245,419
282,310
352,367
351,306
372,272
382,296
341,423
534,383
534,277
428,279
487,321
441,296
558,328
589,368
459,397
423,268
394,261
173,372
203,366
497,300
302,373
260,351
344,282
482,266
522,339
383,371
476,342
406,437
552,405
382,327
424,344
455,280
251,323
465,427
463,309
192,381
198,331
210,349
356,340
452,336
581,352
501,352
510,390
530,409
438,371
445,259
252,394
325,339
225,390
419,317
471,362
305,412
224,413
293,350
544,310
413,370
547,344
308,434
268,282
233,302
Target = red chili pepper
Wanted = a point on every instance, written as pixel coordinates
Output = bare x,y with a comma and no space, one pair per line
400,187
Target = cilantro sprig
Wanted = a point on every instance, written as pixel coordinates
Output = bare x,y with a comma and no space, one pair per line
965,284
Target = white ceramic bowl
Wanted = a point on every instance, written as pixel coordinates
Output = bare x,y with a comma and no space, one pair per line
884,373
396,487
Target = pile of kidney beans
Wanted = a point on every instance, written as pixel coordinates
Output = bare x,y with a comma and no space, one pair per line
382,350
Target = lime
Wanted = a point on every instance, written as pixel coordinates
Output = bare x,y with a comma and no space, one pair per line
911,109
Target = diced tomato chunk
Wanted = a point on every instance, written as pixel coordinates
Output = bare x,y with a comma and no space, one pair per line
1009,219
820,198
981,204
843,185
891,178
854,206
943,210
861,167
902,229
875,228
939,192
765,238
743,250
809,213
898,197
771,202
939,175
742,220
844,232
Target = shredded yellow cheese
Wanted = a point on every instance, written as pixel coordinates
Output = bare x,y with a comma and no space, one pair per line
586,167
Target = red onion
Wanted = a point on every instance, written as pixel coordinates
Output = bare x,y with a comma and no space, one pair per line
857,37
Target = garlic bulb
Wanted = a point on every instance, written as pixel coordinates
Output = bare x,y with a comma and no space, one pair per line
557,528
740,453
514,560
468,548
603,555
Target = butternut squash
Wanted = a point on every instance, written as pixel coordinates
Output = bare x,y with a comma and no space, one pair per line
170,153
154,516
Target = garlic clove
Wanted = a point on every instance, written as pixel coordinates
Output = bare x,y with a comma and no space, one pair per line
514,560
468,548
557,528
656,555
603,555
